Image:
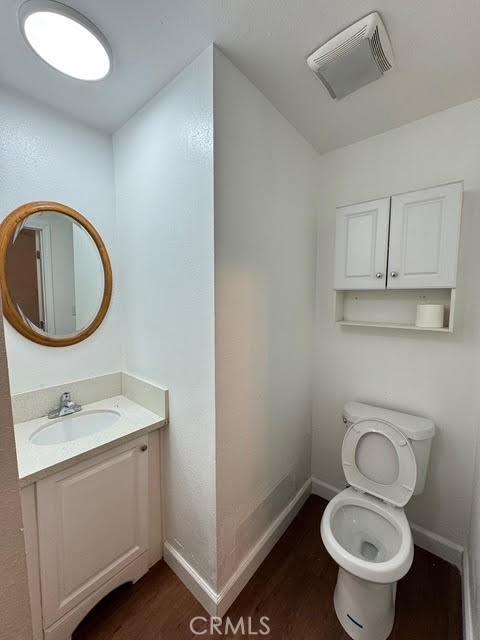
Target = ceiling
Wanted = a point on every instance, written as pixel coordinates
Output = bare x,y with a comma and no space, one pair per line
436,46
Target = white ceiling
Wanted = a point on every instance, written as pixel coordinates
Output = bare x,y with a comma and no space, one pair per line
436,45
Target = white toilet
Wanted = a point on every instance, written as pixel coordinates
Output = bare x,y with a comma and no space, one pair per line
364,528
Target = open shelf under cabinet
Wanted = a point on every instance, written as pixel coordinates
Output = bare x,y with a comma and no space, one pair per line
392,308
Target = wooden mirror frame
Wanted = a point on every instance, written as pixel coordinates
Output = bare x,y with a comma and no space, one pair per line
7,230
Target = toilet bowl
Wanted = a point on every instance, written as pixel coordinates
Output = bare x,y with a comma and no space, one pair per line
367,537
372,544
364,528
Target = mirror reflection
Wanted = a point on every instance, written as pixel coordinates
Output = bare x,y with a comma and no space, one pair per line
54,274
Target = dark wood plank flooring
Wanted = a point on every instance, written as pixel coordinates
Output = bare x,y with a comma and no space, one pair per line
293,587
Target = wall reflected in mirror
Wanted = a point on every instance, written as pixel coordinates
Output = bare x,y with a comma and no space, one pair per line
54,274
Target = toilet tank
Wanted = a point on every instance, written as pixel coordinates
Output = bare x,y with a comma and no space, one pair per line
419,432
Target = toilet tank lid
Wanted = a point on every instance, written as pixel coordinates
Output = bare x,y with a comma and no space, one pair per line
414,427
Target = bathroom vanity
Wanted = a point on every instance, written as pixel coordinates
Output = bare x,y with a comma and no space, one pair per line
91,501
89,465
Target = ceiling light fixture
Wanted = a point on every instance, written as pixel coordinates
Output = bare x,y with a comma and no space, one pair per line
65,39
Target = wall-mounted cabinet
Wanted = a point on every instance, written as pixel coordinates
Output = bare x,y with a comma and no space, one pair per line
424,235
402,242
361,245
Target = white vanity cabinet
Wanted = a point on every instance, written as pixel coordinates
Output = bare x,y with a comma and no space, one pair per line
92,522
89,528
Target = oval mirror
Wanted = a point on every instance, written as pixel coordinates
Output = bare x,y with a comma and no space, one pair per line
55,274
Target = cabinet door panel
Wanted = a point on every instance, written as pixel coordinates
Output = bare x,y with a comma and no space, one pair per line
361,245
424,234
93,521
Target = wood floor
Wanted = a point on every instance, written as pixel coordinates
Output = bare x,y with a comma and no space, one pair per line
293,587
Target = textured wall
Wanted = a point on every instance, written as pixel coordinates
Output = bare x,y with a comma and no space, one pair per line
264,310
46,156
264,279
428,374
164,182
15,622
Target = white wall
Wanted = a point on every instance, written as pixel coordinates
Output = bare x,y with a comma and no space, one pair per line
264,306
432,375
233,476
164,182
46,156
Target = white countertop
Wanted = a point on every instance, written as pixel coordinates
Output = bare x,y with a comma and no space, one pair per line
37,461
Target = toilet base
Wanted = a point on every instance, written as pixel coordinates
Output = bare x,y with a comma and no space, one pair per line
366,610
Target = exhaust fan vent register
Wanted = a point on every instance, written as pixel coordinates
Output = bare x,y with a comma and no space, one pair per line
353,58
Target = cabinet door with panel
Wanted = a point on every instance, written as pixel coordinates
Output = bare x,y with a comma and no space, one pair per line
361,245
92,522
424,236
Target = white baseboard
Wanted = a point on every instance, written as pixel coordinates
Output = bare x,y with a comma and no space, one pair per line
194,582
467,599
261,550
217,604
439,546
323,489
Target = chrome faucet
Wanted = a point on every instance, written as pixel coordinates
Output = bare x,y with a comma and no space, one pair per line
66,406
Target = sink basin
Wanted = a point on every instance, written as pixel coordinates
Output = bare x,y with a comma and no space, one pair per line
74,426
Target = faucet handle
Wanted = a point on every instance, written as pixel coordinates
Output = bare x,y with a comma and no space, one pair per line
66,396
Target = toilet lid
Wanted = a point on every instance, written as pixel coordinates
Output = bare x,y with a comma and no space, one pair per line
378,459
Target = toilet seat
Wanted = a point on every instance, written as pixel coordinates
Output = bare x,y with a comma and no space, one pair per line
379,464
388,570
379,460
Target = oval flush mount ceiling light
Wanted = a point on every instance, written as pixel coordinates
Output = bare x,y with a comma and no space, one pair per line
65,39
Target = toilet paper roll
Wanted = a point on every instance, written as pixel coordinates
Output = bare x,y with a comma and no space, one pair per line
430,315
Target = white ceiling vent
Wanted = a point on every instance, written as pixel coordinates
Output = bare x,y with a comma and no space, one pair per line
358,55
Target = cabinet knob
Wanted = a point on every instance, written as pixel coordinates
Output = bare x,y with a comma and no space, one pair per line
379,275
394,274
144,447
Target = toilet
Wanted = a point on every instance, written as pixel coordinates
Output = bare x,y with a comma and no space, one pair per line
364,528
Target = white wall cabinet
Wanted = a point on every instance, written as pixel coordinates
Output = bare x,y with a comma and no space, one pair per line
424,235
419,250
395,253
361,245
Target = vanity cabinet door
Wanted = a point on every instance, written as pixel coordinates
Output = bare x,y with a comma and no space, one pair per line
92,522
361,245
424,235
